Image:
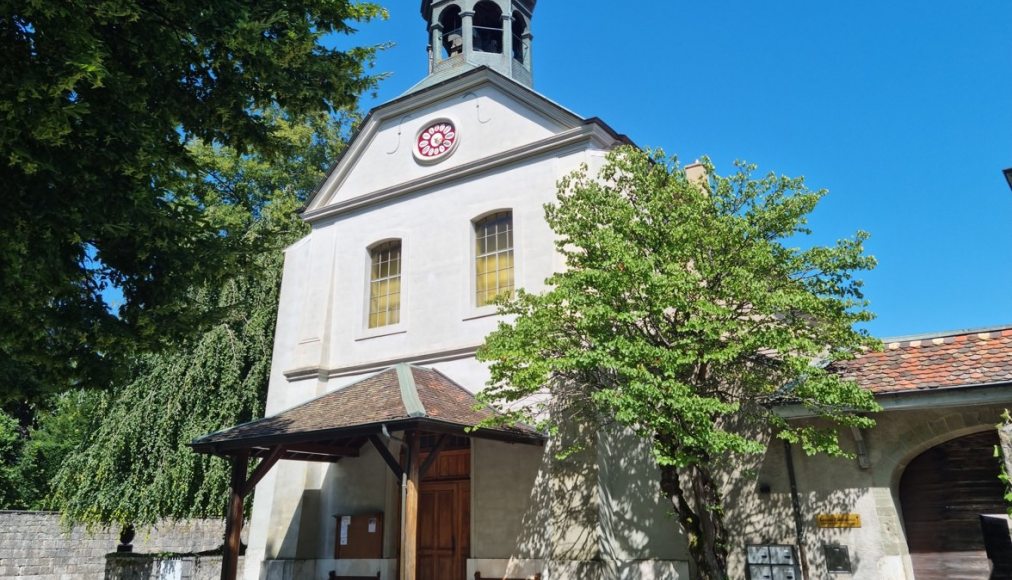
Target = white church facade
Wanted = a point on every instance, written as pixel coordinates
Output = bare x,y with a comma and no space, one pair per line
369,467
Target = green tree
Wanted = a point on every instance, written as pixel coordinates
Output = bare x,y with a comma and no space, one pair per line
10,452
685,316
61,424
136,468
98,100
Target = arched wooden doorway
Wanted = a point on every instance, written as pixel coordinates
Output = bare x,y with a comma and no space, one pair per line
943,491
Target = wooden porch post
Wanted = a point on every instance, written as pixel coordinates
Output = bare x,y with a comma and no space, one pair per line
409,539
233,523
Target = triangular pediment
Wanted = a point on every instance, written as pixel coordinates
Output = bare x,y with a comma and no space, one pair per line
492,118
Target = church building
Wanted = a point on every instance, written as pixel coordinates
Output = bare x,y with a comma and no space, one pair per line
369,465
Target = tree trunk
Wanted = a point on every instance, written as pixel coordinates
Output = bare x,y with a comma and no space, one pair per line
700,512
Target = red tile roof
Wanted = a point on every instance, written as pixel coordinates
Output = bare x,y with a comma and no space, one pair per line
938,361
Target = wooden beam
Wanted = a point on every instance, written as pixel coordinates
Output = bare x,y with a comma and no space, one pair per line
261,470
409,538
387,457
233,523
321,449
434,454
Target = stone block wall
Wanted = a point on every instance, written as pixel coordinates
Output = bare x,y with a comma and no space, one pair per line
147,567
34,546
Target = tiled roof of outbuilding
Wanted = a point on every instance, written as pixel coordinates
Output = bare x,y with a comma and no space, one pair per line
945,360
392,397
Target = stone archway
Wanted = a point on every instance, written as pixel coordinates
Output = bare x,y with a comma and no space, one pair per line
942,493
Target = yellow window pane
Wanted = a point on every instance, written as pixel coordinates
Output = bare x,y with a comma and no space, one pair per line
505,279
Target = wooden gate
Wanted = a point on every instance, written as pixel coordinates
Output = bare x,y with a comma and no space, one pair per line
943,492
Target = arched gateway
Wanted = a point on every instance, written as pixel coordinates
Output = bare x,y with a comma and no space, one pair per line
943,492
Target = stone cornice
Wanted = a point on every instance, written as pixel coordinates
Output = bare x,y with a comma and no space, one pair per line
321,373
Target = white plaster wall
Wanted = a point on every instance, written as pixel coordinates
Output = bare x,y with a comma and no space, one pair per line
636,520
437,290
487,120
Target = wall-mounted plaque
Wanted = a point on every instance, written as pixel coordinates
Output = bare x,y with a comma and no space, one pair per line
838,520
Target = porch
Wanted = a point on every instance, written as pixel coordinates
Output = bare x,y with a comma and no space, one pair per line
421,425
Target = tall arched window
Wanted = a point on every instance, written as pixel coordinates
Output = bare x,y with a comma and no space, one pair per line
519,28
385,284
450,20
487,27
493,257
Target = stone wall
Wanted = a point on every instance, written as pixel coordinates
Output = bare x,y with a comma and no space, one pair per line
33,545
148,567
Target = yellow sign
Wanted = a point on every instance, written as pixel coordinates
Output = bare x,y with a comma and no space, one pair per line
839,520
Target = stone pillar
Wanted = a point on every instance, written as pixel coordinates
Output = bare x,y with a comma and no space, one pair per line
1005,436
507,44
435,46
528,41
467,31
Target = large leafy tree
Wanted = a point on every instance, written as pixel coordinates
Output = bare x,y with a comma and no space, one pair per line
98,99
685,315
136,467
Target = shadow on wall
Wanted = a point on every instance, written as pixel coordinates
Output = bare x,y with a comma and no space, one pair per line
760,507
599,506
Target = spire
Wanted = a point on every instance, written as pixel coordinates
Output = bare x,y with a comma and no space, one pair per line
467,34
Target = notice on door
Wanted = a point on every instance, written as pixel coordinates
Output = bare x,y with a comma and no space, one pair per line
345,524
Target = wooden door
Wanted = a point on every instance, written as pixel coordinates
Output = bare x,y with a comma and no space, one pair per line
443,530
943,492
444,515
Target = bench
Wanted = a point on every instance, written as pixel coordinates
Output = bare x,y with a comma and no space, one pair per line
334,576
478,576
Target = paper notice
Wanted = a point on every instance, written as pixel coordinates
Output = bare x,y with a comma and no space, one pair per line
345,523
372,525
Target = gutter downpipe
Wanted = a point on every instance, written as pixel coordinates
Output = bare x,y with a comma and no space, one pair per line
799,528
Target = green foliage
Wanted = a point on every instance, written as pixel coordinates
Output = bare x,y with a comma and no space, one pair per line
137,467
98,100
61,424
10,451
685,315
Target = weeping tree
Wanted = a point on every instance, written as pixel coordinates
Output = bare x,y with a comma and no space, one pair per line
136,467
684,316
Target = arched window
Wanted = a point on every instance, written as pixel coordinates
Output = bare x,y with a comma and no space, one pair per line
487,27
493,274
519,28
385,284
453,39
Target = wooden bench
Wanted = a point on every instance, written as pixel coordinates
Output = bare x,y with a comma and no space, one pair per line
334,576
478,576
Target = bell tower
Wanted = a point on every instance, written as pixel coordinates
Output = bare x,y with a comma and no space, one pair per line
466,34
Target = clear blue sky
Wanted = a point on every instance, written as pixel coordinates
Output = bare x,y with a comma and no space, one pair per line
903,110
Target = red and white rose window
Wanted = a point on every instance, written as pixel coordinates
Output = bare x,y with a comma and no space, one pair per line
436,141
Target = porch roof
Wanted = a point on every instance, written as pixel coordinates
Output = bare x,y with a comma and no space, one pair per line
338,423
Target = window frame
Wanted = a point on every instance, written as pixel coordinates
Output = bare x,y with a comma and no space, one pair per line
398,327
473,310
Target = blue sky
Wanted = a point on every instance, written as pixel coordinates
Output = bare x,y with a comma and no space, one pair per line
903,110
